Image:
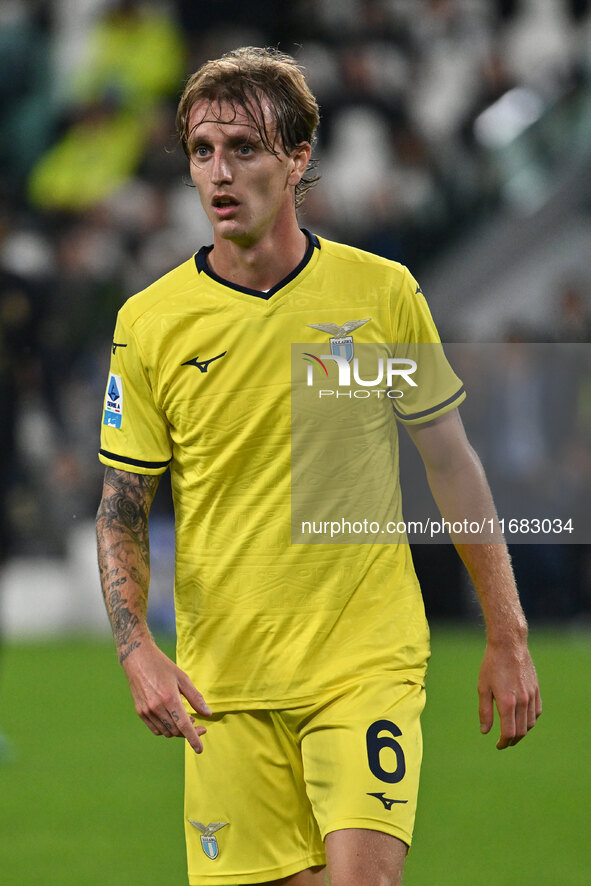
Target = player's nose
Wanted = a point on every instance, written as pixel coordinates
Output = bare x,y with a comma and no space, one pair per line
220,169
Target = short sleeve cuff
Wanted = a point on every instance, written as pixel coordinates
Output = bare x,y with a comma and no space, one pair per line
134,465
432,412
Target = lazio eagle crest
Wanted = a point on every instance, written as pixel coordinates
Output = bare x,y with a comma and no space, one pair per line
209,843
341,345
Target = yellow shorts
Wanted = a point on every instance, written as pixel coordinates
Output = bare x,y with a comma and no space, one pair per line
270,785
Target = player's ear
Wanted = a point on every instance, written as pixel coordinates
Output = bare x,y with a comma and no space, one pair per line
300,157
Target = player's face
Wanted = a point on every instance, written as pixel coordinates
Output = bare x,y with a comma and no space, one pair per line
244,188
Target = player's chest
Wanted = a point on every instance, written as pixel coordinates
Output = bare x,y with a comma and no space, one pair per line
255,350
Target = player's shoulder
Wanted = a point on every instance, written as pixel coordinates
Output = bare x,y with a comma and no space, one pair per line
161,296
352,258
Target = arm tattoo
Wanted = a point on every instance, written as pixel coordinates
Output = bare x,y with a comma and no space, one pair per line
123,655
122,619
124,552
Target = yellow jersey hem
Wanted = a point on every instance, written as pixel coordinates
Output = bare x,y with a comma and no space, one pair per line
403,675
308,861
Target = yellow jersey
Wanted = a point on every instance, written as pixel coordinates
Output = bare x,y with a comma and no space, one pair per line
201,381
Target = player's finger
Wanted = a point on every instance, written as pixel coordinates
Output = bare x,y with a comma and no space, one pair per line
522,702
532,715
170,729
534,709
166,718
193,696
160,716
155,725
155,714
506,709
485,710
192,733
180,718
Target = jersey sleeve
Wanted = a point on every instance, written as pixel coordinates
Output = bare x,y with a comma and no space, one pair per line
436,389
134,429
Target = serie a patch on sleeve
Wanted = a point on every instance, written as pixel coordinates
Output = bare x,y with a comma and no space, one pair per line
113,402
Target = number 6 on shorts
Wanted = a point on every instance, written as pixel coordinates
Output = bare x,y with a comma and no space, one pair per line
380,735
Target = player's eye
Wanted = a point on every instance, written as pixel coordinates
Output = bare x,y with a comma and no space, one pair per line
245,150
200,151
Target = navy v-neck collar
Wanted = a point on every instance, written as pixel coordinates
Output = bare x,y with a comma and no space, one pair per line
203,268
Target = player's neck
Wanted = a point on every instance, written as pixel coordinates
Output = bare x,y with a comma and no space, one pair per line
261,264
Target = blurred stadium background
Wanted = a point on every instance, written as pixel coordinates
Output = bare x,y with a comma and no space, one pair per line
456,138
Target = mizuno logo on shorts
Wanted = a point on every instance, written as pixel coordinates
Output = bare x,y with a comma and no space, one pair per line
387,801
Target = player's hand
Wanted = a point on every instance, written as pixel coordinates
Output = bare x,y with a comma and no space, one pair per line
156,685
508,677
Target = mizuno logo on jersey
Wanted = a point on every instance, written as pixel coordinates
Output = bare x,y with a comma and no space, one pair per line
202,365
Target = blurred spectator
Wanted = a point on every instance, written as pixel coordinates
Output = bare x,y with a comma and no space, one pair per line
136,61
27,106
136,52
96,155
571,318
539,44
33,406
451,42
495,81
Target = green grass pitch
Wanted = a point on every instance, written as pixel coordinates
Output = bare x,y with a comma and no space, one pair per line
91,798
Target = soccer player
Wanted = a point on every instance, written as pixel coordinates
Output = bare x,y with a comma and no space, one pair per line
305,663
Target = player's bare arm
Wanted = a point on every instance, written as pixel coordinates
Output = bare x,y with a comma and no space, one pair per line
460,488
124,555
156,683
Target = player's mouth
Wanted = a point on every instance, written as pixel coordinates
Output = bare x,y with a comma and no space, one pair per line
224,205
